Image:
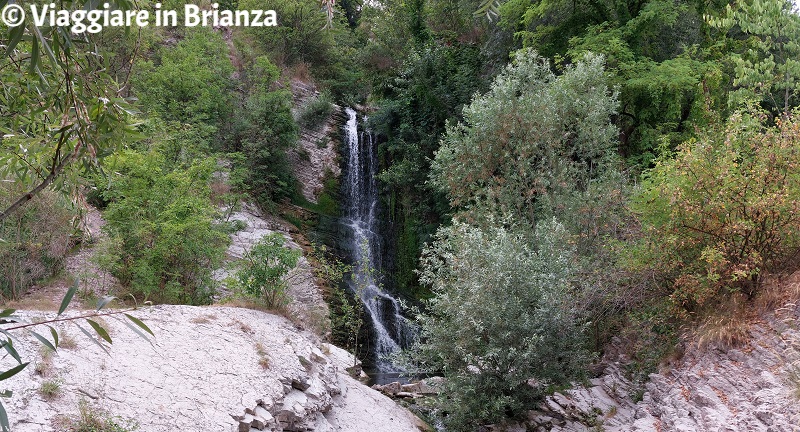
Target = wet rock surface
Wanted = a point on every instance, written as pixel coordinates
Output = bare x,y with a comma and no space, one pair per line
202,372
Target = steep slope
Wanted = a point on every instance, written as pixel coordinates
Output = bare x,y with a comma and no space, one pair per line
751,387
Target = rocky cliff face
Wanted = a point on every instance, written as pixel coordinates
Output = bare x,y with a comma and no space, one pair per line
316,152
207,369
753,387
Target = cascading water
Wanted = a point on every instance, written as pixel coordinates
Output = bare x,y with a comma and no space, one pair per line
391,330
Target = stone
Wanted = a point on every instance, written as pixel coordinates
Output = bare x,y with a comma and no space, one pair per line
391,389
301,383
259,423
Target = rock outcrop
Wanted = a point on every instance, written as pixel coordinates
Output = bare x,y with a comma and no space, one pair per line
207,369
315,156
307,304
754,387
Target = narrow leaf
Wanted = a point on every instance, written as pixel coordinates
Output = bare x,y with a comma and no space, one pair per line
34,56
104,301
68,297
55,335
136,330
15,34
45,45
43,340
4,419
100,330
140,324
7,312
9,346
13,371
6,393
89,335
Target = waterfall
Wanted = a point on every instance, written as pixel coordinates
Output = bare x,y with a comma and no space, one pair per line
391,330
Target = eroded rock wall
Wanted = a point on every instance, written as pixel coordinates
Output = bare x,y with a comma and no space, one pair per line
317,148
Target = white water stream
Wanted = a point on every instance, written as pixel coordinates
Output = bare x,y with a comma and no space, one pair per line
360,215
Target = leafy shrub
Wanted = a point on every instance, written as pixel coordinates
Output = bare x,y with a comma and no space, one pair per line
263,134
315,111
190,82
164,225
92,419
263,270
301,37
33,240
725,209
500,328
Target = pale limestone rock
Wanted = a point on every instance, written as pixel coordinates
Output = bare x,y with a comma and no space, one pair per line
202,372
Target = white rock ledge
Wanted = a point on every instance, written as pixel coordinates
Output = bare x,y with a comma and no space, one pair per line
203,372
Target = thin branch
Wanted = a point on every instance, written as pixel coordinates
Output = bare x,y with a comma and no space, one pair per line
55,320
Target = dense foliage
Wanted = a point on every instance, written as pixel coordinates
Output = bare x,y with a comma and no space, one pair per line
34,242
725,209
264,269
162,223
529,142
500,326
559,173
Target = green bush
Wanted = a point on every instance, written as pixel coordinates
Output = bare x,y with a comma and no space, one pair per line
724,209
190,82
263,134
534,139
315,111
164,225
263,270
501,328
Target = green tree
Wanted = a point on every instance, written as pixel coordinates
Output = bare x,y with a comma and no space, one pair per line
165,224
770,63
434,85
60,110
500,328
263,134
532,140
190,82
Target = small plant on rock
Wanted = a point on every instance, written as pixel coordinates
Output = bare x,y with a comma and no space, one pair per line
94,419
50,389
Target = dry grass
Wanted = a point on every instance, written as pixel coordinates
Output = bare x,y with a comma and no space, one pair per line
793,375
218,190
300,71
777,291
263,359
244,327
728,326
36,300
205,319
66,341
44,367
